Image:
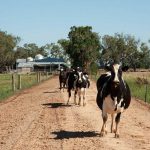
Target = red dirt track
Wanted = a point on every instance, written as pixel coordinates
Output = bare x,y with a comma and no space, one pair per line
39,119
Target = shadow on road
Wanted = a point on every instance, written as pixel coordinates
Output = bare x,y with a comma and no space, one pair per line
55,105
56,91
74,134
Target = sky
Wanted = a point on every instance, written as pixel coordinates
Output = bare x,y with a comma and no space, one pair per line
46,21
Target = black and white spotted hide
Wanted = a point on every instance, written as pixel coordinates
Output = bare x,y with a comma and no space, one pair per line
81,83
71,78
113,96
62,79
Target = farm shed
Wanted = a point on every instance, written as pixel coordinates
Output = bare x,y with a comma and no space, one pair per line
24,67
47,64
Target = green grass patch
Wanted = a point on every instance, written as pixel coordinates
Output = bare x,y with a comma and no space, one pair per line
5,86
28,80
140,91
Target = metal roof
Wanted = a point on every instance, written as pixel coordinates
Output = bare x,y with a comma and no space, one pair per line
42,62
21,60
51,60
25,65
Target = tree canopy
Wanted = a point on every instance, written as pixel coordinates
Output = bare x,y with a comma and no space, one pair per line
82,46
7,44
125,49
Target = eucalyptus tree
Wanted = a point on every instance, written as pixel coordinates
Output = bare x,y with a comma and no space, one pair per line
7,44
132,51
82,46
120,47
29,50
144,56
64,44
56,51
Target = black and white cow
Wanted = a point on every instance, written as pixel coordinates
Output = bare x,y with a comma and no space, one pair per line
62,78
82,82
71,78
78,82
113,96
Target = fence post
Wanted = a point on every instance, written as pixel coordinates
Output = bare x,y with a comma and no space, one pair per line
37,77
19,82
13,82
145,92
46,75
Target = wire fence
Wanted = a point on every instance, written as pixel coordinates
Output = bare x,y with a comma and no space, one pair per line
11,83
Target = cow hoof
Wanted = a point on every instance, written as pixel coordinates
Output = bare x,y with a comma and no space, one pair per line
113,131
79,104
116,135
84,104
106,132
75,103
102,134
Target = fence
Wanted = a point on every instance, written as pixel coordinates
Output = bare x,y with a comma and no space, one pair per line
139,83
10,83
140,87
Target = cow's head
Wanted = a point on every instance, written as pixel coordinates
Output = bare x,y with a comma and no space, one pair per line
80,76
116,72
61,69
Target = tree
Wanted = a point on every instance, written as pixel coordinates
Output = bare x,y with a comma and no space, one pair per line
121,48
83,46
144,56
7,44
64,47
29,50
56,51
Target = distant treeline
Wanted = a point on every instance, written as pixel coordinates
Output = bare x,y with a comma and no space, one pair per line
83,47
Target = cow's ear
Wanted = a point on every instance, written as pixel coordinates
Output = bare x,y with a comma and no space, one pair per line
125,68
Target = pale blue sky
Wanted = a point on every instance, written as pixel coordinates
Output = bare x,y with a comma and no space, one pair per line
47,21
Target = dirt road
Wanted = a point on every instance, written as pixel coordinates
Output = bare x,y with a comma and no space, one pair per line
39,119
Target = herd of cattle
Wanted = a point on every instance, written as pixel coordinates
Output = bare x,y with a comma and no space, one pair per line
75,80
113,93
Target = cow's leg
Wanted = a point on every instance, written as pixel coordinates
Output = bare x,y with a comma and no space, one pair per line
117,119
112,123
84,95
105,117
63,86
79,94
75,95
60,85
69,96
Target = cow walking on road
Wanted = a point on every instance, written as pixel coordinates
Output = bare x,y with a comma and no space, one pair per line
81,84
113,96
78,82
62,79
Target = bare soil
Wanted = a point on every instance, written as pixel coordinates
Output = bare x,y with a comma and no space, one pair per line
39,119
